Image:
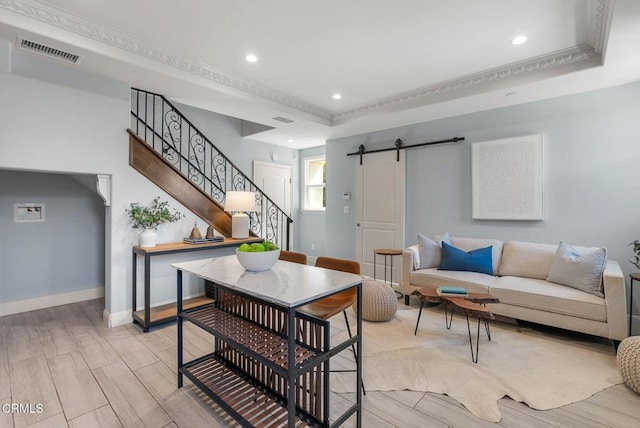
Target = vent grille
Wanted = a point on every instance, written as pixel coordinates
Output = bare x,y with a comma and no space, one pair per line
49,51
282,119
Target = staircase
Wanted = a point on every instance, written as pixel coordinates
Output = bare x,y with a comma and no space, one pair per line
169,150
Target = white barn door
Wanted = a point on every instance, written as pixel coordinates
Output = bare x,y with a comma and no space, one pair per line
380,200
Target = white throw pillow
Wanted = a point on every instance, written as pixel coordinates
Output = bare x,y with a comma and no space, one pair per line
416,256
579,267
430,250
527,259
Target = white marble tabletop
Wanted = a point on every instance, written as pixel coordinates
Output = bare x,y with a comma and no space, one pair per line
286,284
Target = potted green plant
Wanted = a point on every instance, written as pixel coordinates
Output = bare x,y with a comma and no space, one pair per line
150,217
636,253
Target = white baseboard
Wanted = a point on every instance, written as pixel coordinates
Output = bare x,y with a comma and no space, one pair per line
117,319
50,301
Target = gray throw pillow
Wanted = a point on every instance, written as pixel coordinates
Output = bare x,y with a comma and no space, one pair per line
430,250
579,267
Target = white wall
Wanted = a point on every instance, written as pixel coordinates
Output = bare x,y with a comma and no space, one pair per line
56,119
591,153
53,128
57,129
5,56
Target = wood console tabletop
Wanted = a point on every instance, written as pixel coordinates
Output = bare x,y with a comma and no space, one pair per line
148,317
178,247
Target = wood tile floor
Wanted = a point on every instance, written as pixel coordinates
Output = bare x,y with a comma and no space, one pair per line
86,375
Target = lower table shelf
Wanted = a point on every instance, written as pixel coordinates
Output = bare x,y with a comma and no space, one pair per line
249,336
163,313
240,398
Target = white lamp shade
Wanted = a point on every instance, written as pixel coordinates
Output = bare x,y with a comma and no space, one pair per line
240,201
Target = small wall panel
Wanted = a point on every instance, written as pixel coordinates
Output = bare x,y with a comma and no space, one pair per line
507,179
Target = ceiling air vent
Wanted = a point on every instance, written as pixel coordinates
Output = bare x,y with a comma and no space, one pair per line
49,51
282,119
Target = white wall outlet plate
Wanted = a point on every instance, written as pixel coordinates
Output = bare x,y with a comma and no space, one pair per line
28,212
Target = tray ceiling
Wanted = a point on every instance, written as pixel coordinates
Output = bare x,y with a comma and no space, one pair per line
388,60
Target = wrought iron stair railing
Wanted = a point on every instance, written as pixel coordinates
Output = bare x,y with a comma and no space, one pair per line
164,128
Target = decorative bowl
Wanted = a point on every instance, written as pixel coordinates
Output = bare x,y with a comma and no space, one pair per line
258,261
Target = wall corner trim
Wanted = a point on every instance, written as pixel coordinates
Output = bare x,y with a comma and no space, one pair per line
117,319
103,186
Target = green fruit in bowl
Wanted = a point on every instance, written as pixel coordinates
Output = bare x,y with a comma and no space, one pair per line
257,259
269,246
257,247
244,247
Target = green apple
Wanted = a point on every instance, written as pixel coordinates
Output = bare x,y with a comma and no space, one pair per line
269,246
244,247
256,247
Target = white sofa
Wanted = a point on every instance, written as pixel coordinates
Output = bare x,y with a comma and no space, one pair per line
524,293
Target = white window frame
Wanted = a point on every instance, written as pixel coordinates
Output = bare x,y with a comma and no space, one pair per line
306,186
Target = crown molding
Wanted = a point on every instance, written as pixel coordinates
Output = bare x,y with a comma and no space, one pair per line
599,23
602,11
423,95
91,30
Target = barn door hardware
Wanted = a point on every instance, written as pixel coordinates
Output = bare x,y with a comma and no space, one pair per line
399,145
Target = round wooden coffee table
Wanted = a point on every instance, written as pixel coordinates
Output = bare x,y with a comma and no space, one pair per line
474,304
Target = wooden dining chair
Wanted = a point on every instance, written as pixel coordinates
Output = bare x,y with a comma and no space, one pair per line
329,306
292,256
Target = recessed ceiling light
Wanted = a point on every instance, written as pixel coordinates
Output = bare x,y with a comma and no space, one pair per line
251,58
518,40
337,96
290,140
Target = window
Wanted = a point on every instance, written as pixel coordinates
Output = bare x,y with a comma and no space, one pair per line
315,179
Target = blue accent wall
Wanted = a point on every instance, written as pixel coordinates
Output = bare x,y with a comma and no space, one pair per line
63,254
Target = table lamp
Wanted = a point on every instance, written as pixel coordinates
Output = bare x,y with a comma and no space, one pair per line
240,203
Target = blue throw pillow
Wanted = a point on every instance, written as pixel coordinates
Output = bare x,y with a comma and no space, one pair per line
473,261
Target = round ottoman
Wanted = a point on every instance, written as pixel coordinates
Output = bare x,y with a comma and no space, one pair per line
628,360
379,301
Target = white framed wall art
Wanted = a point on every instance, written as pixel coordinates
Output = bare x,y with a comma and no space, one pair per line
507,179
